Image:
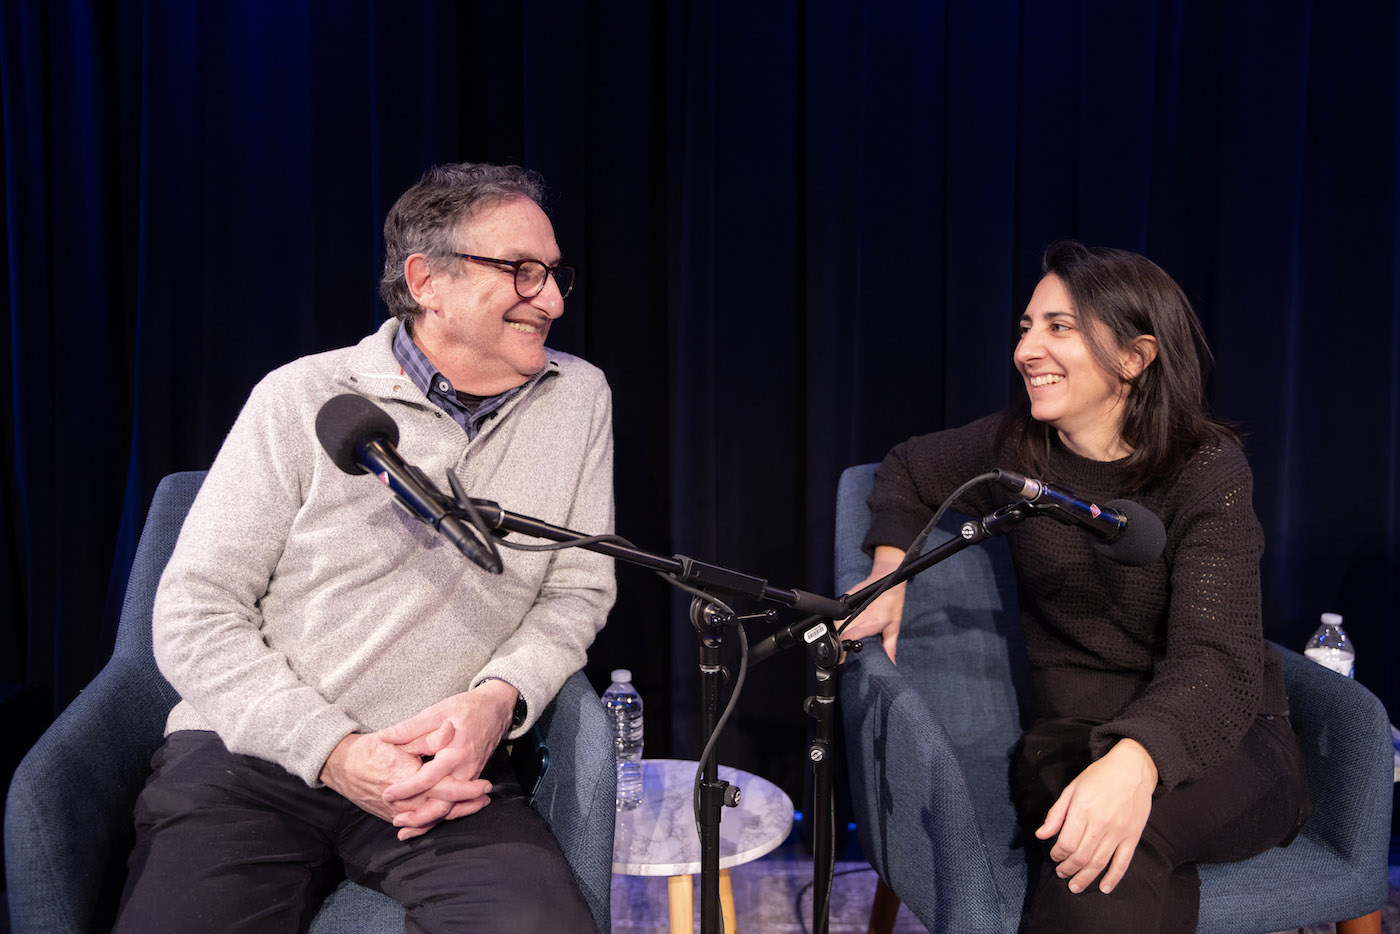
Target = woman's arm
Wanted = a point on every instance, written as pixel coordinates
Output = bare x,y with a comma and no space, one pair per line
1207,688
911,483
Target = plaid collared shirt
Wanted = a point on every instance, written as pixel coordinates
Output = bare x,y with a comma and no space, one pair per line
470,412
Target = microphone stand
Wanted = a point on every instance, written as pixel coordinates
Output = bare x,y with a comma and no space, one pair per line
709,622
817,632
824,646
709,625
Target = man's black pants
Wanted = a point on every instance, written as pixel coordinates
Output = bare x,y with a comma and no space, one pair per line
228,843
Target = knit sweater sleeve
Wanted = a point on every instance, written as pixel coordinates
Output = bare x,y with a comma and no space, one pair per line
208,623
1207,688
579,587
917,475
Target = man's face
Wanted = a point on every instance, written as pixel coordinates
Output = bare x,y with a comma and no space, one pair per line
477,320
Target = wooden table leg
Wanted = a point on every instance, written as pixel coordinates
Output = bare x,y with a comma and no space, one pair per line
1367,924
884,909
680,894
726,901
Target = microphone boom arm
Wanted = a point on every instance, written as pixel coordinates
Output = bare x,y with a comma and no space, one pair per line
971,532
687,570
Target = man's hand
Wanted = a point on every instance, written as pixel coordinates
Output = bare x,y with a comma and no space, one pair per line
1100,815
362,766
884,615
460,733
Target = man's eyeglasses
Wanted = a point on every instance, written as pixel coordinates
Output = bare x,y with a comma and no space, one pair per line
531,274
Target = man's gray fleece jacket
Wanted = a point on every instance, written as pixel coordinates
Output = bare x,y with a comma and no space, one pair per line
302,604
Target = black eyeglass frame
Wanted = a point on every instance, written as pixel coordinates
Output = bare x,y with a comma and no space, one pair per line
515,265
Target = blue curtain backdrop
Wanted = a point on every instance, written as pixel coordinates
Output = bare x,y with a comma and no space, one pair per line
805,233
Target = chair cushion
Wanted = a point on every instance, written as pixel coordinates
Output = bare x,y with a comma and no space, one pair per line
354,909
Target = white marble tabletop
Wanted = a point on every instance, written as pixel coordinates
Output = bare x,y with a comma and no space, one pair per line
659,838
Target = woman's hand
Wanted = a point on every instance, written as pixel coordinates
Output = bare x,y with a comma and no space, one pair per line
884,615
1100,815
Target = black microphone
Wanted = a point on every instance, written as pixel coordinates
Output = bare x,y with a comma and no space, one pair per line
359,436
1127,532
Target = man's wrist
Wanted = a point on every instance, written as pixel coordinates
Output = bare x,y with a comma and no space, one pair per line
519,710
331,766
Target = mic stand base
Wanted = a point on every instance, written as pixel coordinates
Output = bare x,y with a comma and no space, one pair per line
821,707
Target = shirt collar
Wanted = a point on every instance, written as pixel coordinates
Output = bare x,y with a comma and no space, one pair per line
415,365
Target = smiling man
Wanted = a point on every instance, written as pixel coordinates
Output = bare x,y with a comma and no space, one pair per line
346,676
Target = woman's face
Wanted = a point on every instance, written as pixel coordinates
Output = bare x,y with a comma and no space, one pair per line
1068,388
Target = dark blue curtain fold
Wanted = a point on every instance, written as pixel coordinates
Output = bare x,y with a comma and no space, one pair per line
805,233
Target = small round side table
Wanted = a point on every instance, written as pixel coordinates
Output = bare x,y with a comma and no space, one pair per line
659,838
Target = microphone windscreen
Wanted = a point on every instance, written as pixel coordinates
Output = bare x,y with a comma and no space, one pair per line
1142,540
348,420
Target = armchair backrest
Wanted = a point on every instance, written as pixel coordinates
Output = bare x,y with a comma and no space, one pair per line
169,506
1342,727
68,818
930,742
960,641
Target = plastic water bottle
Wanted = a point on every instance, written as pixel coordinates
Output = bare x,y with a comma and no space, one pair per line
624,707
1329,646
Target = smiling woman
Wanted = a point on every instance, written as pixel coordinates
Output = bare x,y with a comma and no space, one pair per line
1161,737
1138,328
1069,388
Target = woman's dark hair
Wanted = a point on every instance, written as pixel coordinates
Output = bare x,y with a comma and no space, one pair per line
1165,419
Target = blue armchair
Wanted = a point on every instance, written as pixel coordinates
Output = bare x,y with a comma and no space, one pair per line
69,812
929,746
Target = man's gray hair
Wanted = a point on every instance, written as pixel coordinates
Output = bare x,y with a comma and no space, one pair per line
426,217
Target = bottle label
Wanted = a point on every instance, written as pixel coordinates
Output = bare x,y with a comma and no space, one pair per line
1343,663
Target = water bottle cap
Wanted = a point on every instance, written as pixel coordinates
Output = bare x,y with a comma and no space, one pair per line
621,674
1331,619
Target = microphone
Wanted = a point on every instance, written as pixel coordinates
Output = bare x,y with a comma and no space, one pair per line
359,436
1127,532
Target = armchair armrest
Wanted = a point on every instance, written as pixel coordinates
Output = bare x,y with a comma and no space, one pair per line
915,809
1345,735
576,795
68,815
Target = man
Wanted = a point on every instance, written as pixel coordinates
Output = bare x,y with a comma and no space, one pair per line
325,644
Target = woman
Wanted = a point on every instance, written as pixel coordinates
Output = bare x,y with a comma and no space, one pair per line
1162,737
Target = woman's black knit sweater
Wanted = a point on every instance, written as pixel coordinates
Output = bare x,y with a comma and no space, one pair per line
1171,654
